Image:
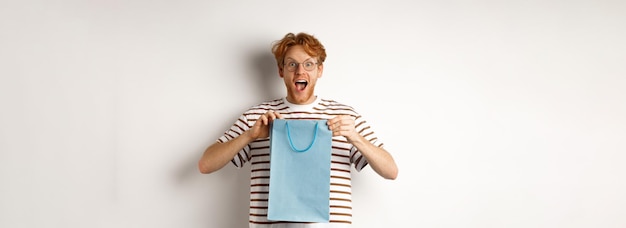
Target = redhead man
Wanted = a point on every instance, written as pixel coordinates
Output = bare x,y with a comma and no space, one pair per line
300,59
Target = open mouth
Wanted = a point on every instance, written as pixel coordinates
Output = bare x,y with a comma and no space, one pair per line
301,85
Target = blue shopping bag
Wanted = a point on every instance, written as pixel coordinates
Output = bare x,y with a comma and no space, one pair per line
300,152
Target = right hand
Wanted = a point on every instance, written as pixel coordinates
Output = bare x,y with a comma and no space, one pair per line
261,128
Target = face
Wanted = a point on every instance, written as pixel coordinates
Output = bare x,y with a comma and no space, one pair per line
300,82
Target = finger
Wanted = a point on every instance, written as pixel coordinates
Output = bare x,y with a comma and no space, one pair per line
274,115
270,115
278,115
331,124
338,132
263,119
341,123
334,120
338,123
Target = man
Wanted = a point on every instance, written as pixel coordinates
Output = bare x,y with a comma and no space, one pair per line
300,61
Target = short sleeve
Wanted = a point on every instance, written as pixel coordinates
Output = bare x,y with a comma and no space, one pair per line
239,127
365,130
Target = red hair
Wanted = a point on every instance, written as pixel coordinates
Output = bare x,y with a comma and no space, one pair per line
311,46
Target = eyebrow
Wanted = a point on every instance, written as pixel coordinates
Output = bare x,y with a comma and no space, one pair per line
289,58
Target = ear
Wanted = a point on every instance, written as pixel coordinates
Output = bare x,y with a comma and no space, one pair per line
280,72
320,70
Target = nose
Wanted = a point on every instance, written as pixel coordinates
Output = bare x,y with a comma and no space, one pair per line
300,68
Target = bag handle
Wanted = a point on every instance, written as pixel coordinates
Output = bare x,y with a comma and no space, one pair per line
291,141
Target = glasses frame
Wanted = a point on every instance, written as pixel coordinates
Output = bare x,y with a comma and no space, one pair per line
287,67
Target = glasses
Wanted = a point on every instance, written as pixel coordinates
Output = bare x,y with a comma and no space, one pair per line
308,65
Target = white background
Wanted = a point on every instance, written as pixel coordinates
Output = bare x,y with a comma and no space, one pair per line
498,113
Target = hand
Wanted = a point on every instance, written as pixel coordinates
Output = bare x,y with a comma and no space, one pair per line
261,128
343,126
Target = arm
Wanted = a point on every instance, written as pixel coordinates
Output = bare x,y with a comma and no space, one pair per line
219,154
381,161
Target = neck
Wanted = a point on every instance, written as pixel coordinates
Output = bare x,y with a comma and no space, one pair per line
301,101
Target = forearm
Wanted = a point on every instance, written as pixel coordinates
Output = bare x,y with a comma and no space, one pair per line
378,158
219,154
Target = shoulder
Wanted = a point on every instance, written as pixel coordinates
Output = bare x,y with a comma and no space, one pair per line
336,107
263,107
330,103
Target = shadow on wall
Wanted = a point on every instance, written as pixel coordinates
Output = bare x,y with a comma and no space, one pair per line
228,188
266,75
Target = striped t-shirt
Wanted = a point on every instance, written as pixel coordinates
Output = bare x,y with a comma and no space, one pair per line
343,156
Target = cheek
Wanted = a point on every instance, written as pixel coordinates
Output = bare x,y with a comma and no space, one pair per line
286,80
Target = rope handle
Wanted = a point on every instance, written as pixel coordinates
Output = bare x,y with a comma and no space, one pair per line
291,141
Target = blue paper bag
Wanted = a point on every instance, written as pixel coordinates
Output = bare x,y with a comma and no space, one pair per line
300,152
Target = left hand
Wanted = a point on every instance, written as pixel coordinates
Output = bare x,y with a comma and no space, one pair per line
381,161
343,126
